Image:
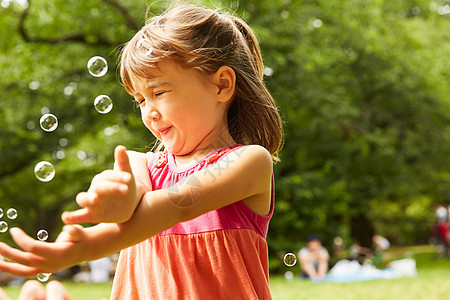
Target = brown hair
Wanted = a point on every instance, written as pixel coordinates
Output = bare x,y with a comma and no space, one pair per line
206,40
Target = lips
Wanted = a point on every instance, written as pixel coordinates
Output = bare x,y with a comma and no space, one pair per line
164,130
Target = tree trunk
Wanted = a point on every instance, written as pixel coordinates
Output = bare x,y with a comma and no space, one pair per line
361,229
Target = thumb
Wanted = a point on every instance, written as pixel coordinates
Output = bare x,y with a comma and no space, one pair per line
121,158
78,216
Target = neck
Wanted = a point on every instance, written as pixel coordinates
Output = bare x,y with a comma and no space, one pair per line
203,149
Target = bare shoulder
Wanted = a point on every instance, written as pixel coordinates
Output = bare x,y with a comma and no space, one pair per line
255,156
257,167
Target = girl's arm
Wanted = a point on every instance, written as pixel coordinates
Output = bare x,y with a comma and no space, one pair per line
246,177
114,194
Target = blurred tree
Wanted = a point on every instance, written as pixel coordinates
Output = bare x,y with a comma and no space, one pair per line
45,47
362,85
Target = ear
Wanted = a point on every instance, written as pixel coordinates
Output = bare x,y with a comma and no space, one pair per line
225,81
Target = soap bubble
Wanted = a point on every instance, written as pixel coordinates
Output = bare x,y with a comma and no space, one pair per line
34,85
42,235
12,213
290,259
3,226
48,122
317,23
1,212
268,71
43,277
103,104
45,110
288,275
145,45
63,142
44,171
97,66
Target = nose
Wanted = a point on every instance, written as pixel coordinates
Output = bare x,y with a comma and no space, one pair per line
150,113
154,115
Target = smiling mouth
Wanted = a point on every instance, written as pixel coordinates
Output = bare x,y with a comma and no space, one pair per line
164,131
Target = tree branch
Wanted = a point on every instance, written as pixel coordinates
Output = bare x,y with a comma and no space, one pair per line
79,38
129,20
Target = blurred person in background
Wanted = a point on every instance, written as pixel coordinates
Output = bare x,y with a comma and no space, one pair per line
314,259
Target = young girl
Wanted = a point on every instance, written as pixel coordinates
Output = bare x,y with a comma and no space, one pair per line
191,220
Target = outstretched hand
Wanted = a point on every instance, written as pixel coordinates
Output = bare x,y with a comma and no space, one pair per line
111,196
42,257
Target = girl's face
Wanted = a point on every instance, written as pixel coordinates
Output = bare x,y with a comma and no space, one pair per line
180,107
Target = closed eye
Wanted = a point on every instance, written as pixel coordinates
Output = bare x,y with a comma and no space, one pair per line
139,102
157,94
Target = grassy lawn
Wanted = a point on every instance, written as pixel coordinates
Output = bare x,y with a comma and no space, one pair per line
433,282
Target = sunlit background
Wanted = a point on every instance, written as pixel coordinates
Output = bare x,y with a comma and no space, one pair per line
363,88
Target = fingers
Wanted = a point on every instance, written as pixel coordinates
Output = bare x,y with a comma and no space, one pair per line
27,262
19,256
18,269
113,175
85,199
110,182
29,244
121,157
78,216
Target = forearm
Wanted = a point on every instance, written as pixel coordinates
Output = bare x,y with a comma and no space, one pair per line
150,217
323,268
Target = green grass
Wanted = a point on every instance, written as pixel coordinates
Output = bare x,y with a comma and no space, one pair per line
432,283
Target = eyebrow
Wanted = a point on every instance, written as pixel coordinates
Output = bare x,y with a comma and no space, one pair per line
154,84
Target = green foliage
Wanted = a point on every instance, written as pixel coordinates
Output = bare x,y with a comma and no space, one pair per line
362,86
364,90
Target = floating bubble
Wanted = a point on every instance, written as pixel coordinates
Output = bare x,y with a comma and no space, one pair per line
268,71
43,277
68,90
60,154
3,226
31,125
288,275
317,23
12,213
42,235
48,122
1,212
68,127
82,155
145,45
103,104
97,66
63,142
45,110
44,171
290,259
34,85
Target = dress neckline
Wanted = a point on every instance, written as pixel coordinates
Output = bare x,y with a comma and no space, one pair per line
212,155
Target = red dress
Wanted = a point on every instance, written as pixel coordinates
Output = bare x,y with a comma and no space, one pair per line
221,254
